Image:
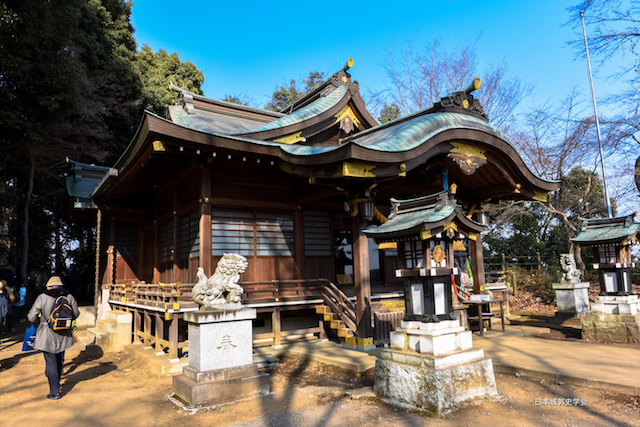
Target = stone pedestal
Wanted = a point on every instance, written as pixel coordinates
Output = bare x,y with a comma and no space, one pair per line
572,297
614,319
221,366
433,366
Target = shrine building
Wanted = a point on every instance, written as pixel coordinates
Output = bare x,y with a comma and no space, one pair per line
293,192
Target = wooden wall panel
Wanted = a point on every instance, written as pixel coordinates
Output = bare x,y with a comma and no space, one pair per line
275,268
148,255
319,267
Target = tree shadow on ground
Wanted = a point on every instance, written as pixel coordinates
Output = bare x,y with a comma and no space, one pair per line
72,375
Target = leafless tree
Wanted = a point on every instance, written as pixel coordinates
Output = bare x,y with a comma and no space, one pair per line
613,29
419,77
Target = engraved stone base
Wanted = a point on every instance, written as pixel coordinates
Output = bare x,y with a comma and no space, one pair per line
614,328
572,297
220,338
220,386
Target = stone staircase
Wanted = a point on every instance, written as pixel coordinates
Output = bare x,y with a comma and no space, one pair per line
111,334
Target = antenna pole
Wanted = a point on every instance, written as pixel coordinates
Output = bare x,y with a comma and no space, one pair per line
607,200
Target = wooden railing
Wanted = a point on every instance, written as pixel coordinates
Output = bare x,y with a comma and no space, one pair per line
292,291
341,305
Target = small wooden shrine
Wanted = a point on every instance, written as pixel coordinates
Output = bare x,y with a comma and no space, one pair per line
611,240
429,231
615,316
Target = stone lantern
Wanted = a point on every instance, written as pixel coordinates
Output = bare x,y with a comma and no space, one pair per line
430,344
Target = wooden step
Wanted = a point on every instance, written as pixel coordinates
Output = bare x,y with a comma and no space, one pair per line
321,309
345,333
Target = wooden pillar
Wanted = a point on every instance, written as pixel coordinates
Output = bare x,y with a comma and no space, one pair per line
205,221
276,327
109,274
362,280
136,326
478,264
298,224
156,251
176,236
173,337
146,333
159,333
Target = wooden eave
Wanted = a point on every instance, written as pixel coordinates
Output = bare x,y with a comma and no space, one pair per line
503,173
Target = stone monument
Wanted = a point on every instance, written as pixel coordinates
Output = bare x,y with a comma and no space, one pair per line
572,295
221,368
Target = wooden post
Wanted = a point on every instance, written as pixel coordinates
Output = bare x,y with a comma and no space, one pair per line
136,326
276,327
205,221
173,337
176,236
539,262
146,333
362,280
515,285
298,224
478,264
159,333
504,264
156,251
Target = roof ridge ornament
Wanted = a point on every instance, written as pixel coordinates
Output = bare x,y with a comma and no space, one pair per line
339,78
463,100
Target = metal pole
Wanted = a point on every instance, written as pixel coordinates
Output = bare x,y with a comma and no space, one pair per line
607,200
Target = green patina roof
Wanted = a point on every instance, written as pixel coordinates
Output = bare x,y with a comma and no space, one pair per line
411,222
423,213
606,230
312,110
405,135
82,180
210,122
411,133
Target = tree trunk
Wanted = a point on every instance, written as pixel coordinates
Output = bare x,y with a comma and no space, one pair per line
579,261
25,226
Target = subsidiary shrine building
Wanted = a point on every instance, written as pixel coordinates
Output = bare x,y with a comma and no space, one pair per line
293,192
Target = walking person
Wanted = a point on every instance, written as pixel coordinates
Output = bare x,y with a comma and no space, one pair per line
52,342
4,306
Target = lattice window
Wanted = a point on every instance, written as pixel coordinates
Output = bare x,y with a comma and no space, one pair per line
189,236
231,232
413,254
274,234
317,234
607,254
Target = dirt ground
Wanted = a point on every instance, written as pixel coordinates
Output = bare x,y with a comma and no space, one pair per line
114,390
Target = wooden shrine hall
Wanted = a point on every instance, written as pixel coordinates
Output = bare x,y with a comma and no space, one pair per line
293,192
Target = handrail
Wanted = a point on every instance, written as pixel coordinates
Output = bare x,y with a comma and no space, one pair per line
341,305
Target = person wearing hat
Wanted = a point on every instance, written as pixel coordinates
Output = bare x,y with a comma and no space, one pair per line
52,343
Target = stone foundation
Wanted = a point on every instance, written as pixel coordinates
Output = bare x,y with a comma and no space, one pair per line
220,386
613,328
433,366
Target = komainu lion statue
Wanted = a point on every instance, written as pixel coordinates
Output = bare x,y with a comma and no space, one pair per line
570,274
221,290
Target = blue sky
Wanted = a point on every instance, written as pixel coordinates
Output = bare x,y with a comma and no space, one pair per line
247,47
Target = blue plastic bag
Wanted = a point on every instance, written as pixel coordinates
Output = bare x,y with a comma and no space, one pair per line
29,338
